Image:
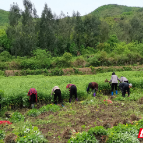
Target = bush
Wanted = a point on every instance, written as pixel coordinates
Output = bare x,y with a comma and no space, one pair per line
83,137
88,50
2,135
16,117
57,71
67,56
5,56
79,61
62,62
94,61
33,64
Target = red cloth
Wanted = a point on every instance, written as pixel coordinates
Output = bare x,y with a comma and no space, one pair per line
32,91
4,122
69,86
109,101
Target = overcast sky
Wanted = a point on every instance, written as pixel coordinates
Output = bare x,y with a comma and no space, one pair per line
83,6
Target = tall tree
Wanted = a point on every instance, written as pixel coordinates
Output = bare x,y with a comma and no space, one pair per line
78,29
91,30
46,34
24,34
14,15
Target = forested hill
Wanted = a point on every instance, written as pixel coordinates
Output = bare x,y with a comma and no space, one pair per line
103,12
3,18
57,34
114,10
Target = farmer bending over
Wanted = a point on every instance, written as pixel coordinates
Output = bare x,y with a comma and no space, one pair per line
57,93
94,87
114,80
125,87
73,91
124,79
33,96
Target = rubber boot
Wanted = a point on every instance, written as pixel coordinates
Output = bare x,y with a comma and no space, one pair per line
87,89
32,105
112,93
116,92
70,101
94,94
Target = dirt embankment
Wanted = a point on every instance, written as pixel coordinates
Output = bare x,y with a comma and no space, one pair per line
85,70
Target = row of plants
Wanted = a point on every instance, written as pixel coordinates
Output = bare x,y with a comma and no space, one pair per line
120,134
49,107
14,89
23,132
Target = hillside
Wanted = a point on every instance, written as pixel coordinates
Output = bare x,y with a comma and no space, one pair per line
113,10
3,18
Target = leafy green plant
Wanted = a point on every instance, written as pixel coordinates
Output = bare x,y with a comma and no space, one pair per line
2,134
33,112
16,117
83,137
98,130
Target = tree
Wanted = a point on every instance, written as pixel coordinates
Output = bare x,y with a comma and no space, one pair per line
46,34
104,32
14,15
78,31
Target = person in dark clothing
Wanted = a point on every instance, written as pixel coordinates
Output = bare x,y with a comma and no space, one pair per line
33,96
73,91
94,87
57,93
114,80
125,87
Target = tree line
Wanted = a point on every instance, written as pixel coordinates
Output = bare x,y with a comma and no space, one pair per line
59,34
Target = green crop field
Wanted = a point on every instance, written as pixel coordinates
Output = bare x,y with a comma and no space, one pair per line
17,87
88,118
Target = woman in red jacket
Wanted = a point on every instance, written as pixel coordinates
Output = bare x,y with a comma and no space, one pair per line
33,96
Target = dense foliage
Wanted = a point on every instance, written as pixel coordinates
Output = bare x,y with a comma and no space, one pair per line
103,29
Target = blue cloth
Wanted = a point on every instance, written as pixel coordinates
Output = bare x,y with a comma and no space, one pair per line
112,93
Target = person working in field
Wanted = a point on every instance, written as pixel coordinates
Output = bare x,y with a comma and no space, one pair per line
73,91
94,87
125,87
114,80
124,79
33,96
57,93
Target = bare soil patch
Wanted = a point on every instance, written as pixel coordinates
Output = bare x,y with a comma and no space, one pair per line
107,115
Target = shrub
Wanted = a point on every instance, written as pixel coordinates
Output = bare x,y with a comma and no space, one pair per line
83,137
2,134
67,56
16,117
79,61
5,56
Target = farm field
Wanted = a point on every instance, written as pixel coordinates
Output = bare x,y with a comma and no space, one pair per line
57,123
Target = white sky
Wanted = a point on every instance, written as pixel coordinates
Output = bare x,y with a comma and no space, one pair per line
83,6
